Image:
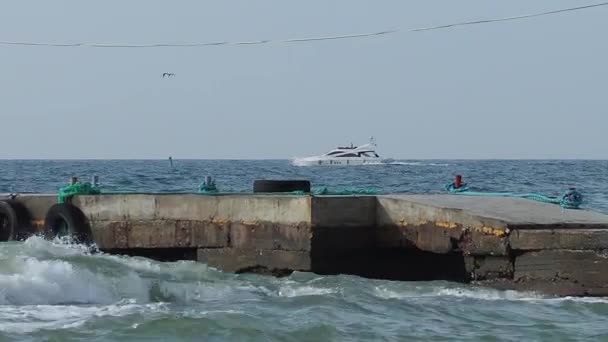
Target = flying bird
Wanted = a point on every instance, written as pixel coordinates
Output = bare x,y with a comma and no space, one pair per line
167,74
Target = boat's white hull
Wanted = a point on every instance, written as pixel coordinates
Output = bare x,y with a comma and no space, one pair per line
343,161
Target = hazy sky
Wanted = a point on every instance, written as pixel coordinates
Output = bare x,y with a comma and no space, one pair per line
534,88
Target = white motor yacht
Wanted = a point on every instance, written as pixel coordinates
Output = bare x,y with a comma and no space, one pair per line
343,156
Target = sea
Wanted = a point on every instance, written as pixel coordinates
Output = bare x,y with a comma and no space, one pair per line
57,291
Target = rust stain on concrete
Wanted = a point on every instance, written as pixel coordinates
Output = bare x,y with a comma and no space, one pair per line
499,232
446,224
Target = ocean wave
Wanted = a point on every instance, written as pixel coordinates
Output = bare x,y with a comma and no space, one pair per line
455,292
39,272
300,291
477,293
34,281
31,318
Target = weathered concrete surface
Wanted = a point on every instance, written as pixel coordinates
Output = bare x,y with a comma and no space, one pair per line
242,260
343,223
511,243
343,211
168,233
559,272
587,267
185,220
271,236
505,242
245,208
482,225
440,227
493,212
543,239
159,234
443,211
488,267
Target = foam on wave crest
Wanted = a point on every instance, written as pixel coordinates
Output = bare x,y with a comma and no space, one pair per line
40,272
31,318
475,293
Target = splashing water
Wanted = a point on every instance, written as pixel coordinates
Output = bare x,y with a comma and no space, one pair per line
49,288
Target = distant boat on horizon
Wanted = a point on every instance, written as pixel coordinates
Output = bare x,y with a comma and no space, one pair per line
345,156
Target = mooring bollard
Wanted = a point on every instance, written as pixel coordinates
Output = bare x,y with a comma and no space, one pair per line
95,181
73,180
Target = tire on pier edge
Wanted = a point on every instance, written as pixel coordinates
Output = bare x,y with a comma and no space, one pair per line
14,220
269,186
65,219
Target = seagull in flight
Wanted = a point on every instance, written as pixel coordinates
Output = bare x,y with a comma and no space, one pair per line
168,74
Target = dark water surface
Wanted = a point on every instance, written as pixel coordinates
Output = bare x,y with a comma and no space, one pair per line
53,291
546,177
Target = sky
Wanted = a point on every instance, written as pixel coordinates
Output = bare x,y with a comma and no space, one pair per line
529,89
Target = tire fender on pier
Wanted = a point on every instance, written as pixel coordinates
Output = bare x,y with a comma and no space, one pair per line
65,219
268,186
14,219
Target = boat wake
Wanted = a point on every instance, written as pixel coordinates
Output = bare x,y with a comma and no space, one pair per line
414,163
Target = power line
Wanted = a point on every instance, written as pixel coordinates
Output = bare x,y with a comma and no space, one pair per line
306,39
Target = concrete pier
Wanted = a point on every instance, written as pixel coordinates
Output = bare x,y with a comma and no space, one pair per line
500,242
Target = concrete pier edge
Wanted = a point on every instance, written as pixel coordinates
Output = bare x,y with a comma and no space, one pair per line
492,241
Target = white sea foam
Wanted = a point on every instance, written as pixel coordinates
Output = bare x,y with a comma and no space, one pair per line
57,282
384,293
31,318
136,263
454,292
488,294
40,272
37,245
297,291
475,293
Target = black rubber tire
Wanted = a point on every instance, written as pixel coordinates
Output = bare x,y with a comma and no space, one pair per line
268,186
8,221
14,219
66,219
